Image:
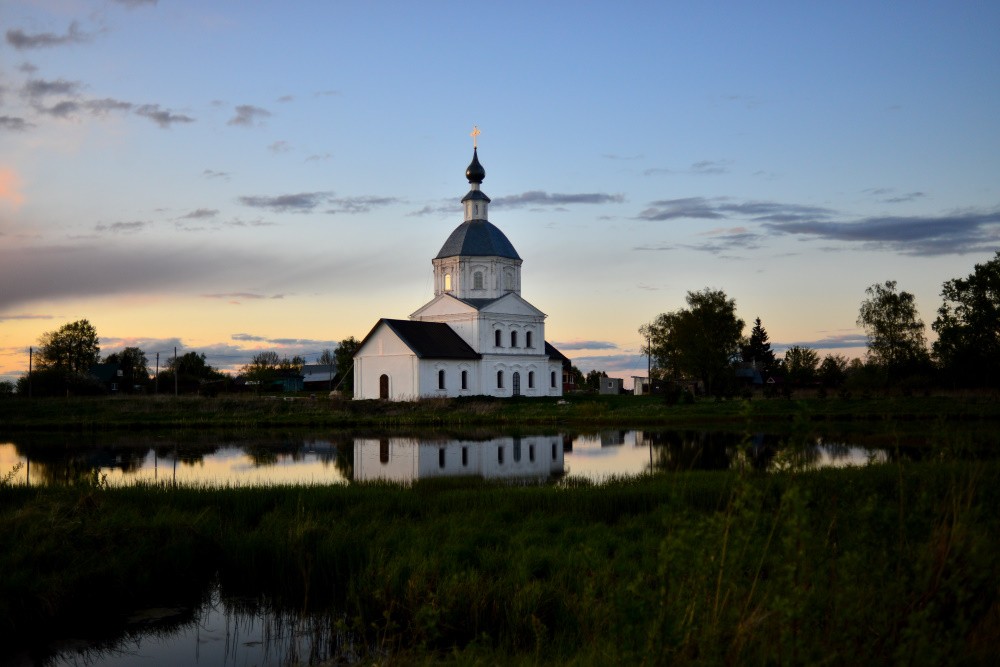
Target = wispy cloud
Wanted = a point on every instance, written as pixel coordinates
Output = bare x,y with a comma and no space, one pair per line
722,208
839,341
306,202
200,214
248,115
122,227
25,317
162,117
67,271
703,167
38,88
889,195
302,202
540,198
211,173
14,124
353,205
611,363
22,41
958,233
236,297
280,146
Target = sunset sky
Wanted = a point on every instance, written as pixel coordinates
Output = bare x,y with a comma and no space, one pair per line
227,177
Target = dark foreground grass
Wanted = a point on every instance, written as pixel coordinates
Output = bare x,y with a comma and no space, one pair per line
244,411
883,565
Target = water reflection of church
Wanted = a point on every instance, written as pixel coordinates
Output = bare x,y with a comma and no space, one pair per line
410,459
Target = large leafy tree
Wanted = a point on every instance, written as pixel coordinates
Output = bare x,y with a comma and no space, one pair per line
895,332
345,362
71,349
756,349
800,365
968,326
699,342
833,370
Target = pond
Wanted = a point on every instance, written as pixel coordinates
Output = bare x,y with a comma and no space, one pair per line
310,458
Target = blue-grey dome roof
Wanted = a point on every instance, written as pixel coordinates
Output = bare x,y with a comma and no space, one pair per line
478,238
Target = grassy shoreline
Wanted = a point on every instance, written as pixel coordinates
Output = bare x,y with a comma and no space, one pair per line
141,413
896,563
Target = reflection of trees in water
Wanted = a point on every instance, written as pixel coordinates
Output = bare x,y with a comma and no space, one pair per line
74,459
676,451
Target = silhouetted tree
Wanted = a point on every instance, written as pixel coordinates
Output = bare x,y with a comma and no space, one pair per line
800,365
968,327
72,349
593,379
757,350
832,370
895,333
700,342
345,363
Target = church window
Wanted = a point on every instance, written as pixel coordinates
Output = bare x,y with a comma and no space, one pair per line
508,281
496,338
527,339
531,379
553,381
383,386
441,379
477,280
476,208
447,282
499,379
465,379
513,339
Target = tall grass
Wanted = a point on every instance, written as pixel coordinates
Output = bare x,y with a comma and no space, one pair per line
893,563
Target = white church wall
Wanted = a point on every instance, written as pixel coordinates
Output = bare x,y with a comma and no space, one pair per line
407,459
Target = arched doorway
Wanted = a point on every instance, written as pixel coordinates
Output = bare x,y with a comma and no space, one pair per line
383,387
516,384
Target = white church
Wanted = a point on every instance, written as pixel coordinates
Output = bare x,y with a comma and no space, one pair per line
477,336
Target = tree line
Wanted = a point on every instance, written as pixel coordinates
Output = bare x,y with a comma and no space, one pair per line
68,361
702,347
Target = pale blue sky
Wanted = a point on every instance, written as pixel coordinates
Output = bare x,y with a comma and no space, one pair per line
229,176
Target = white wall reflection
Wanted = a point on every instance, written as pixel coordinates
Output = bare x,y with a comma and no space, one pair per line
411,459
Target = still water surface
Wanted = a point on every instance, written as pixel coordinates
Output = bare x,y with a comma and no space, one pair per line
310,459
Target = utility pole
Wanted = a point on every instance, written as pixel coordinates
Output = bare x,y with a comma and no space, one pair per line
175,371
31,354
156,378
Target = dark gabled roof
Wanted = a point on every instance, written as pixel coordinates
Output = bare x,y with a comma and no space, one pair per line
478,238
428,340
479,304
553,353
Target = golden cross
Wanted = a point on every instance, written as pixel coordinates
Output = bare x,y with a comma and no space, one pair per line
474,135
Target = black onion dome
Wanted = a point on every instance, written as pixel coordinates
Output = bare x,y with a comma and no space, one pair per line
478,238
475,172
